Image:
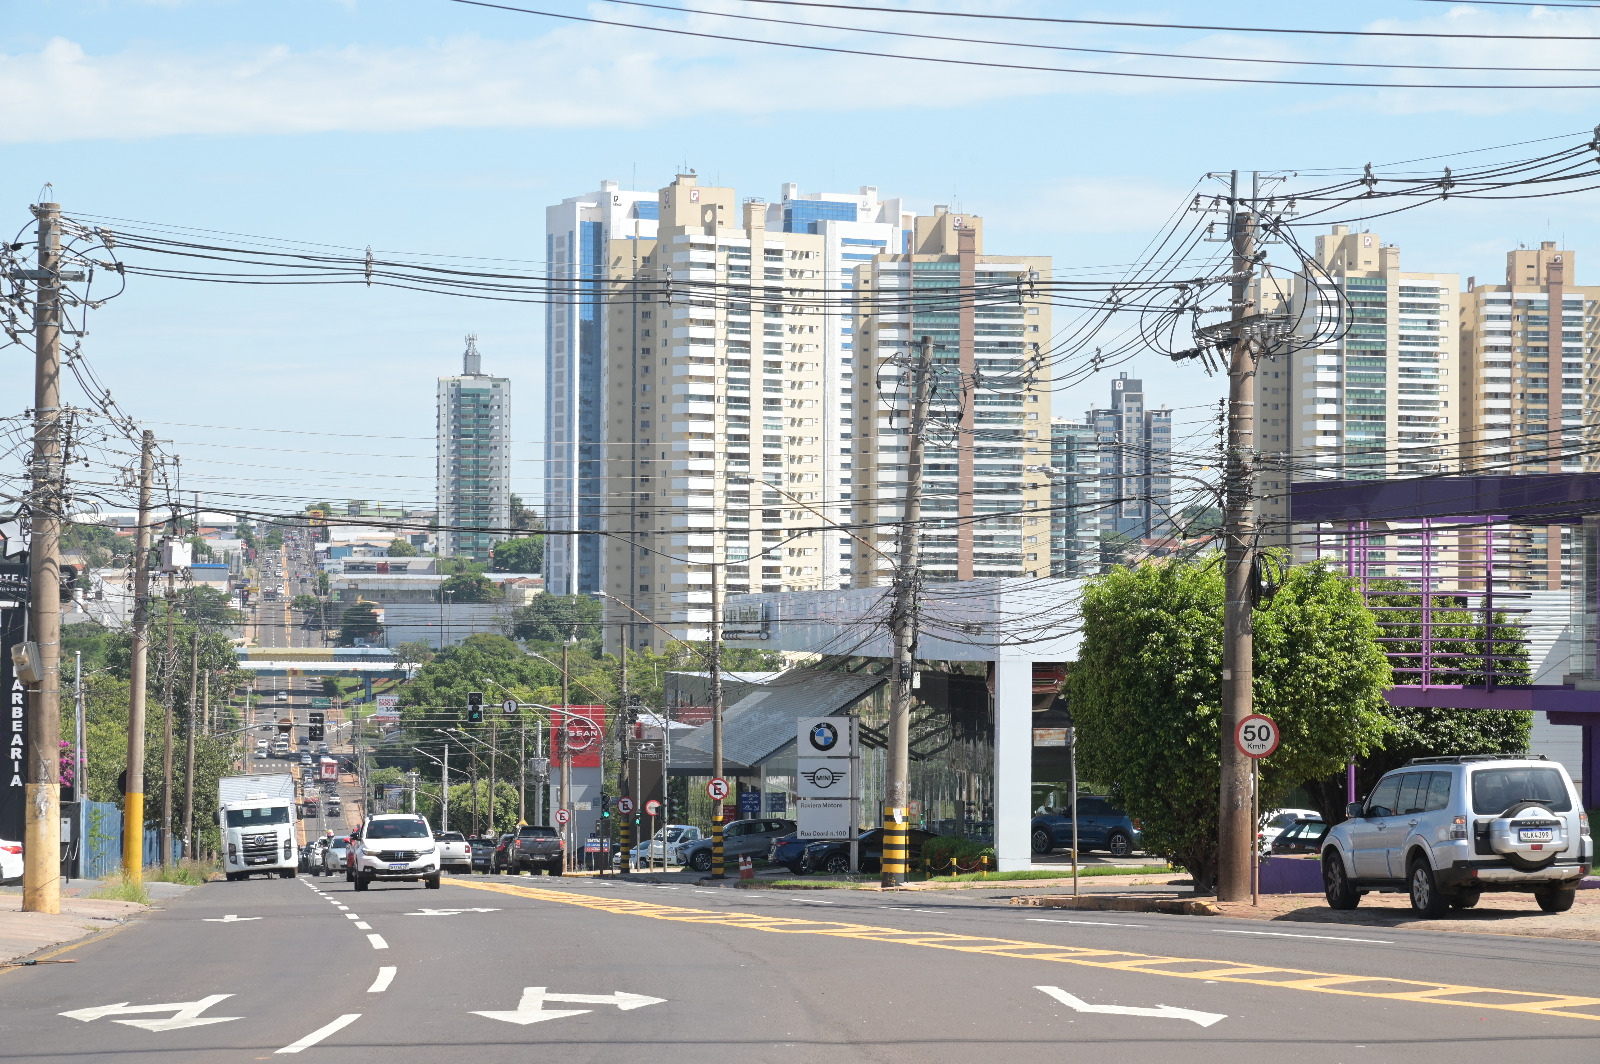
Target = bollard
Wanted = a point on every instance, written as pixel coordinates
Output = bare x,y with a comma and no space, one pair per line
746,869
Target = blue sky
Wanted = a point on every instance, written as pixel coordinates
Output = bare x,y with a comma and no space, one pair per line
424,125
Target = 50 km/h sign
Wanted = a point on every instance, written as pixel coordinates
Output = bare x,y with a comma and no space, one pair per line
717,788
1257,736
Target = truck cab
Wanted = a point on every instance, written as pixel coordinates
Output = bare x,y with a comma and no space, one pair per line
256,815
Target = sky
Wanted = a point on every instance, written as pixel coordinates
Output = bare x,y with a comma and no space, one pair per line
438,127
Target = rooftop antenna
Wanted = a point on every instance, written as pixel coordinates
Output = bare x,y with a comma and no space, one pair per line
471,361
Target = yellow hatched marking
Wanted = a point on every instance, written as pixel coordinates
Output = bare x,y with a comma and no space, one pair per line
1534,1002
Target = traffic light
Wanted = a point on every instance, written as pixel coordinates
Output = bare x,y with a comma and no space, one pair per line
315,732
474,707
605,807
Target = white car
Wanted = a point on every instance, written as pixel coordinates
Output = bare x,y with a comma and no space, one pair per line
10,861
396,846
455,853
1274,822
676,837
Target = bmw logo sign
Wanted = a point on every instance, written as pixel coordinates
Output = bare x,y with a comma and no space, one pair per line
824,736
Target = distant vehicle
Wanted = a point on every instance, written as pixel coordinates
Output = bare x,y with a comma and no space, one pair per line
335,855
305,758
502,846
327,768
534,848
261,754
283,696
834,856
482,853
1101,826
1276,821
663,845
256,815
396,846
787,851
1447,829
455,855
739,838
1303,836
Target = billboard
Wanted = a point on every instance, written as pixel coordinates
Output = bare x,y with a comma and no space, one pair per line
388,707
585,731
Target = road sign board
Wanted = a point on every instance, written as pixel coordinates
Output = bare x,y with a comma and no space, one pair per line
1257,736
562,816
625,805
652,807
824,736
321,703
824,777
717,788
509,705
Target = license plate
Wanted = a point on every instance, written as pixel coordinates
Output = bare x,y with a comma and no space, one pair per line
1535,834
398,867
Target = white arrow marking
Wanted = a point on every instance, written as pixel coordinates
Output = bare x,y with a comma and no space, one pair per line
450,912
184,1013
531,1008
1160,1012
230,919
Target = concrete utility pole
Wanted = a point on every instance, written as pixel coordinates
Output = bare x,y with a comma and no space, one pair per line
41,848
139,652
188,745
1235,832
626,780
903,626
566,762
170,665
717,869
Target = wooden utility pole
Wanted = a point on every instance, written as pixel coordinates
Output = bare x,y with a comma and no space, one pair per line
903,627
41,847
139,652
1235,831
188,753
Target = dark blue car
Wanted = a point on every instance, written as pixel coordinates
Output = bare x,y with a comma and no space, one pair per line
1101,826
787,852
834,856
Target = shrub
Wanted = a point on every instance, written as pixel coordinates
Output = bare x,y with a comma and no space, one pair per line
949,854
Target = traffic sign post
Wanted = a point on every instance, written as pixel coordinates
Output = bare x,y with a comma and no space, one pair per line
1257,736
717,788
510,706
625,805
652,807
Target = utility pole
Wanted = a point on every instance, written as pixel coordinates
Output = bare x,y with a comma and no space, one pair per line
717,870
493,738
188,752
522,773
41,851
444,791
566,762
625,779
1236,834
139,652
170,665
903,626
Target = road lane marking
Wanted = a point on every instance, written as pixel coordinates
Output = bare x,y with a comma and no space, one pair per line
363,925
1379,987
1285,934
1085,923
184,1014
321,1032
230,919
903,909
1160,1012
385,977
377,941
351,916
810,901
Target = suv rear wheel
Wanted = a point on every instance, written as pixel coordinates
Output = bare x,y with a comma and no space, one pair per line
1119,844
1042,842
1336,883
1426,898
1554,899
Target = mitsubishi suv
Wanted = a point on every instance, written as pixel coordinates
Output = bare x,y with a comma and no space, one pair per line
1446,829
395,846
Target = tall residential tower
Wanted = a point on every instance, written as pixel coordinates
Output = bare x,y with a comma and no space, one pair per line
474,459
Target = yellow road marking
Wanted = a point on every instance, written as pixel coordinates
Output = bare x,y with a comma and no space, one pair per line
1386,988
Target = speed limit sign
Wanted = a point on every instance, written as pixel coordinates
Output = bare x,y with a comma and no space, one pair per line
562,816
717,788
624,805
652,807
1257,736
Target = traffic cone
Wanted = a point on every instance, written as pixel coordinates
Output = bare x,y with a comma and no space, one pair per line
746,869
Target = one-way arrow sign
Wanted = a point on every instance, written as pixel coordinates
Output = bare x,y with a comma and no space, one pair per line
230,919
531,1008
1160,1012
449,912
184,1013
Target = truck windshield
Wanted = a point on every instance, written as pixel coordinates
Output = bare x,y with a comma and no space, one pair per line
528,831
395,829
258,816
1494,790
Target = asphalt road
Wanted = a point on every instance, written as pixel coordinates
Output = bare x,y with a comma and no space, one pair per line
407,974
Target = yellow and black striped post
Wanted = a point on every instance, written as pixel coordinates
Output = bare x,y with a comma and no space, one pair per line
624,840
895,829
716,843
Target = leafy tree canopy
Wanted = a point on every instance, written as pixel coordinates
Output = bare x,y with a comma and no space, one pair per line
469,587
402,548
359,622
559,618
524,555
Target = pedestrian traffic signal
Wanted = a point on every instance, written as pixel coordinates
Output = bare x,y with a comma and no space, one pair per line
474,707
315,731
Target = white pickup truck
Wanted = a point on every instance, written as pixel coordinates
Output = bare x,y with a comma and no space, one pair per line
455,853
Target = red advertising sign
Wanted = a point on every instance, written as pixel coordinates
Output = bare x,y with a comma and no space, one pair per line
584,731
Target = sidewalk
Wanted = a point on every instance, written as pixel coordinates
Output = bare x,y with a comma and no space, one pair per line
24,933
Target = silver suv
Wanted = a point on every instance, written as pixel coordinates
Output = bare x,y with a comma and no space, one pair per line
1446,829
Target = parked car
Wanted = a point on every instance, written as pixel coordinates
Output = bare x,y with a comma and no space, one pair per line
535,848
501,859
663,846
482,853
1278,820
1303,836
833,856
1101,826
787,851
455,854
1447,829
739,838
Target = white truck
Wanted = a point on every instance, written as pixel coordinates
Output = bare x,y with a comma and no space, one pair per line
257,816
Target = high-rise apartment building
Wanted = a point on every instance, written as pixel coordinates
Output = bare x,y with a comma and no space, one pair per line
729,378
578,231
1135,451
473,467
982,513
1075,514
1380,398
1524,346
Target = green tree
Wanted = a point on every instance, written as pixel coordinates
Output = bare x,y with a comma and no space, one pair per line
558,619
522,517
323,583
414,653
1147,686
402,548
453,566
359,622
524,555
469,587
307,604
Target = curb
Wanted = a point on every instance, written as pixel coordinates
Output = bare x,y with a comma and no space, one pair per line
1125,903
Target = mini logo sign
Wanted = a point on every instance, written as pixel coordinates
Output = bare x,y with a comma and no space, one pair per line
824,737
824,777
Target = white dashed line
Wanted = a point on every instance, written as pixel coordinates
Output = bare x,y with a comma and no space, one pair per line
351,916
377,942
809,901
385,977
321,1032
1324,938
902,908
363,925
1085,923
